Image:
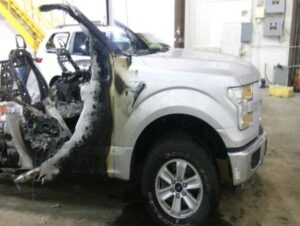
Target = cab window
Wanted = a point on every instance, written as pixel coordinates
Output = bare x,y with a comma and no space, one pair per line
54,41
80,45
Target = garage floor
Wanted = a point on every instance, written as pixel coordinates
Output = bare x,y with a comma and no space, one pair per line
272,198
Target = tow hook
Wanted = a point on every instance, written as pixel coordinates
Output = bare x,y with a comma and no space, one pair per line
243,187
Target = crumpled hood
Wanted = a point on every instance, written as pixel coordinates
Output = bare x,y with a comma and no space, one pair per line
182,60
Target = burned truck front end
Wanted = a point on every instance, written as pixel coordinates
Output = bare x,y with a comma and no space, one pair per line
31,127
45,129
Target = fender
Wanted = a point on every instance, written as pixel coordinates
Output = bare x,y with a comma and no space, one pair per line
174,101
150,108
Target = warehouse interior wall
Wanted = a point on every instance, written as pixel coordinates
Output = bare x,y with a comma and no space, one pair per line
147,16
216,25
7,38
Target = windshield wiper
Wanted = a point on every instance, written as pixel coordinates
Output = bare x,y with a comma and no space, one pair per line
162,49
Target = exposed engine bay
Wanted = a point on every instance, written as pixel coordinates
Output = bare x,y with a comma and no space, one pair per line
41,127
30,109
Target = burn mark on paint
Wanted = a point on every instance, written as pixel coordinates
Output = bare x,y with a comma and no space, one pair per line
135,88
138,91
120,85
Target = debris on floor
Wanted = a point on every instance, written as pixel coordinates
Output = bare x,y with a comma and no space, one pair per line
56,205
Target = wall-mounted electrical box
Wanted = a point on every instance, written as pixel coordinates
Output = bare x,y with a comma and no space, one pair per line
246,34
273,26
275,6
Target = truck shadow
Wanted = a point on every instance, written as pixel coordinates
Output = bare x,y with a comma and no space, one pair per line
88,199
134,214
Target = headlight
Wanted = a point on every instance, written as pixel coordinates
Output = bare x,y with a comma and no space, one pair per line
241,94
241,97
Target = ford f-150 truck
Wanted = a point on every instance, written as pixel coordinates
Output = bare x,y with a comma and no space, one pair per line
163,117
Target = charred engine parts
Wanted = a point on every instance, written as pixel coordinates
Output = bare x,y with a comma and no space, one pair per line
35,133
66,88
11,85
43,136
28,74
65,61
6,77
9,158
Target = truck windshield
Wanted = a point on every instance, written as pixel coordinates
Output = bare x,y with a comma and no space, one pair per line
153,42
142,43
129,43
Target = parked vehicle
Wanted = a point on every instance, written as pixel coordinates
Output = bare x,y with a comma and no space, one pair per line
76,43
160,116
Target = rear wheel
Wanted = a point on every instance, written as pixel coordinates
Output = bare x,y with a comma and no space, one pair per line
179,182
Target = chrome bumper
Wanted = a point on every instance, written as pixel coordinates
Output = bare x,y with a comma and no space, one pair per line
246,161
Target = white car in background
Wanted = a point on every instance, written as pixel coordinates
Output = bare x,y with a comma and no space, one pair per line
76,43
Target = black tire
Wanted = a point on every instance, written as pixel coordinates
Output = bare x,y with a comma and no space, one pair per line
173,148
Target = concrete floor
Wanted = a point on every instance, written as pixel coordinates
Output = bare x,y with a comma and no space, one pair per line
272,199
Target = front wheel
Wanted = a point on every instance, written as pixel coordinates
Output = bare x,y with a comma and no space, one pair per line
179,182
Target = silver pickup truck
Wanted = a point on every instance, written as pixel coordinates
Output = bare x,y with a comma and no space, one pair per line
162,117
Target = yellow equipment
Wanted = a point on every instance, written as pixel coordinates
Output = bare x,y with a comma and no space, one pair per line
281,91
27,20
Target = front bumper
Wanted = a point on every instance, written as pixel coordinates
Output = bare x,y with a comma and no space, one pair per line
245,161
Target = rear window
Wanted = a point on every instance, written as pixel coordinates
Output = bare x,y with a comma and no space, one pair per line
117,36
55,39
80,46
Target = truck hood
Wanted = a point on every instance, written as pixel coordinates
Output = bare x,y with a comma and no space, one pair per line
206,63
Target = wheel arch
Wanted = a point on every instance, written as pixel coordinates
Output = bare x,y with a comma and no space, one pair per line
200,130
